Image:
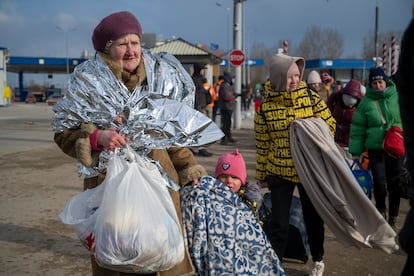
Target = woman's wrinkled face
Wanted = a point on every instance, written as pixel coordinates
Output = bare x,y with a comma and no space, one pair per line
126,50
293,82
379,85
232,182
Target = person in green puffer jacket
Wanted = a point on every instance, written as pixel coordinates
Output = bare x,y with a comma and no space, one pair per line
367,133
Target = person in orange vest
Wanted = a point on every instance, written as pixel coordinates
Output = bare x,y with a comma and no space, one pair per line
327,81
210,106
216,87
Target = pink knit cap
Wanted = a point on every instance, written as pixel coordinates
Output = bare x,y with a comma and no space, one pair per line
113,27
231,163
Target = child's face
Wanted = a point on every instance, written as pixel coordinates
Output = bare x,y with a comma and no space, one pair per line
315,86
232,182
293,82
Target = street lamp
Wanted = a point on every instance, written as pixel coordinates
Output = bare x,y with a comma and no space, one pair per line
66,31
227,29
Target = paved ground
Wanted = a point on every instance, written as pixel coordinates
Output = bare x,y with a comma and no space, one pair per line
37,181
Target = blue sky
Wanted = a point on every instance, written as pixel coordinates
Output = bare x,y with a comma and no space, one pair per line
39,27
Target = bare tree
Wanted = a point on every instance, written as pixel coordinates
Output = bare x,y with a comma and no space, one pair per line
321,43
334,44
311,45
369,46
259,74
317,43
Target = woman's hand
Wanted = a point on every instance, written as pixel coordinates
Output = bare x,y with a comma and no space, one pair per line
110,139
194,182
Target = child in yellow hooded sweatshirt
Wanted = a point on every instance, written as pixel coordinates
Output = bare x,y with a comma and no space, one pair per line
287,98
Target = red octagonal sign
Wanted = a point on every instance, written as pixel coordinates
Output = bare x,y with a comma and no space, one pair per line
236,57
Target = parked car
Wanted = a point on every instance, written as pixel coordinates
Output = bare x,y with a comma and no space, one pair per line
53,99
30,98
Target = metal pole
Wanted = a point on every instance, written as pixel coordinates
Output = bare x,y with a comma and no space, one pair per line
238,26
3,76
376,36
66,32
243,47
228,37
67,53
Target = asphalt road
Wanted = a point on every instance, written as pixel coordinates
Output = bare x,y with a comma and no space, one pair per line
25,127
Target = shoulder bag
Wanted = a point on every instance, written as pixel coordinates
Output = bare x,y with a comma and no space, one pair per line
393,141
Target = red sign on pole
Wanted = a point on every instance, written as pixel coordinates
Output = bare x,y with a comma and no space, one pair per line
236,57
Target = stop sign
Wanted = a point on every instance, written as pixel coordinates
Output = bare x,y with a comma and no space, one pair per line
236,57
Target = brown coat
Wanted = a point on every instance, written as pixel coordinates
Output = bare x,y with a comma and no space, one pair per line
324,93
179,163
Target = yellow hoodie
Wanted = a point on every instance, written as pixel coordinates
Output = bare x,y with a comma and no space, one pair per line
272,123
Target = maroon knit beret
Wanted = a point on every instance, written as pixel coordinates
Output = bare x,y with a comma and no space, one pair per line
113,27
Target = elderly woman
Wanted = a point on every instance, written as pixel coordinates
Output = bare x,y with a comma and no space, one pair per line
85,121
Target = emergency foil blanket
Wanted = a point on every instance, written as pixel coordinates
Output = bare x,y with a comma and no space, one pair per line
158,114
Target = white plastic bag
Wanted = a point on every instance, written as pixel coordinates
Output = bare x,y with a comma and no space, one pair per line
137,228
81,212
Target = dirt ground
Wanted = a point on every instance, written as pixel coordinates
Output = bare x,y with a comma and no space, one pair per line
37,180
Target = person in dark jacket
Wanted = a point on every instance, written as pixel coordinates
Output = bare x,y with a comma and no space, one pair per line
202,97
227,102
405,84
368,132
343,105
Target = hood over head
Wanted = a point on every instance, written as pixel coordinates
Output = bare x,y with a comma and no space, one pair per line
280,65
353,88
314,77
227,77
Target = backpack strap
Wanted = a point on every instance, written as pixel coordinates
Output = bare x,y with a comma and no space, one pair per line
380,112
